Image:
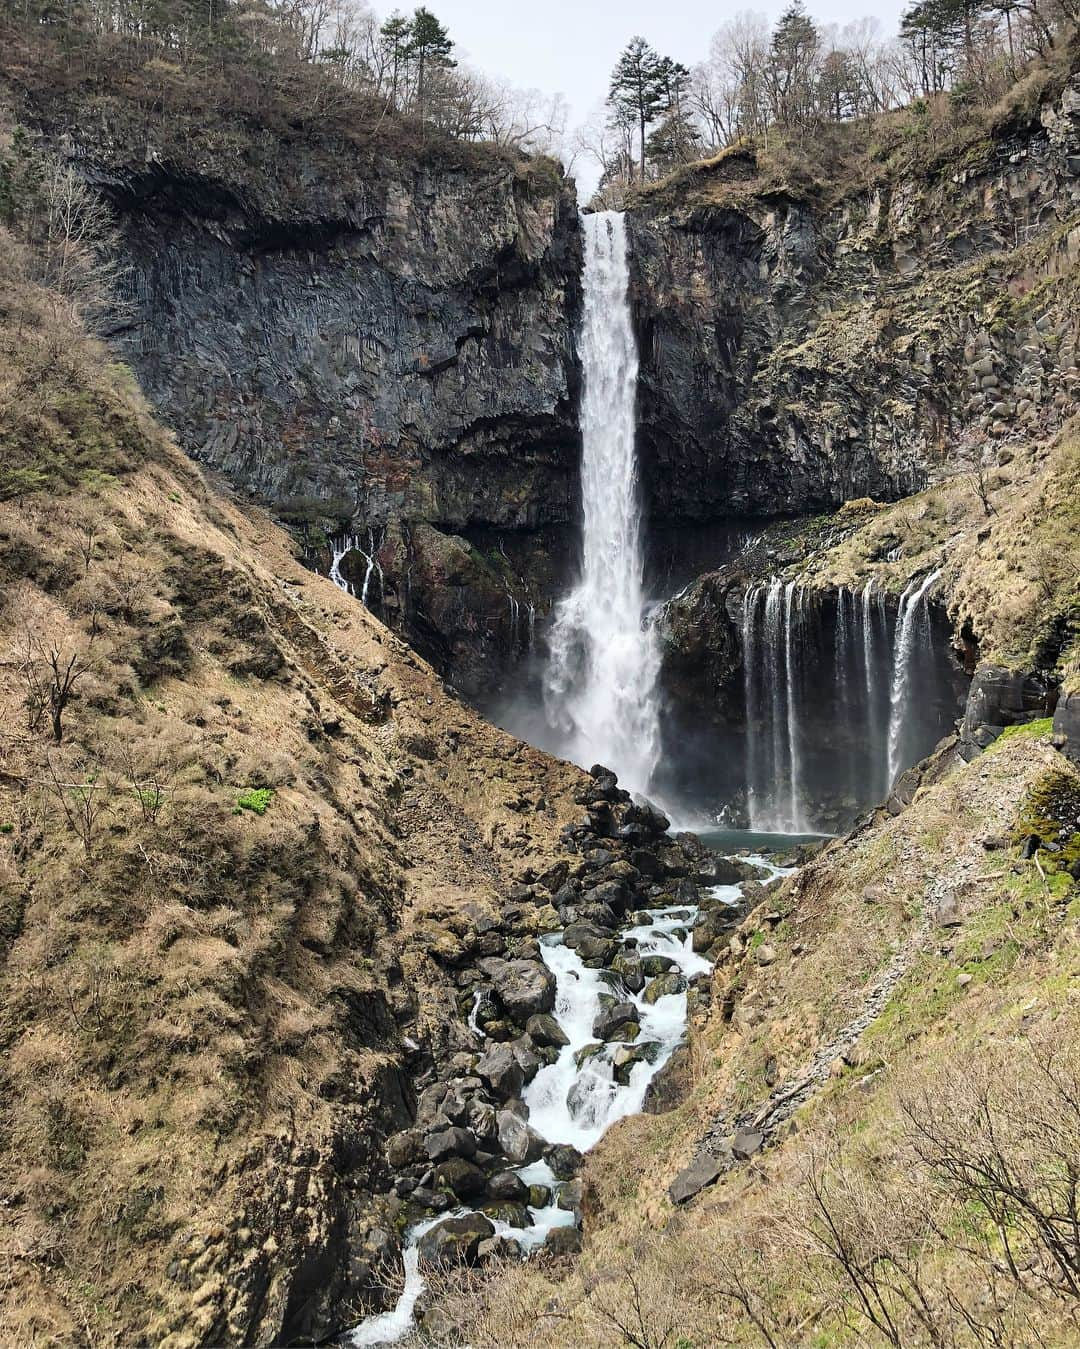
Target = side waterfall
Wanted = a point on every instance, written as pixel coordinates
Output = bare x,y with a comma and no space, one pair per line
912,620
600,684
858,676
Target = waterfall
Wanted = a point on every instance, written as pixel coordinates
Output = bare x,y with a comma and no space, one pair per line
912,616
790,680
351,543
772,691
754,785
600,684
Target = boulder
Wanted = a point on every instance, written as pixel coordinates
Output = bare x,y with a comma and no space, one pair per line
671,1084
507,1185
524,987
692,1179
500,1068
654,965
452,1142
663,985
545,1030
626,1056
627,965
564,1160
563,1241
571,1196
518,1142
460,1176
495,1248
454,1241
404,1148
609,1019
514,1215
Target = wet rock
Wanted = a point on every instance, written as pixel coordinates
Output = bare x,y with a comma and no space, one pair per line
609,1019
508,1185
626,1056
545,1030
454,1241
663,985
528,1060
628,966
523,987
587,1052
514,1215
520,1144
571,1195
500,1068
539,1196
654,965
452,1142
564,1160
460,1176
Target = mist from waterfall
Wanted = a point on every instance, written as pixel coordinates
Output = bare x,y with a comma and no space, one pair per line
600,683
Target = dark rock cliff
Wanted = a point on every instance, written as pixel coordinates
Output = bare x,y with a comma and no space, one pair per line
798,351
376,341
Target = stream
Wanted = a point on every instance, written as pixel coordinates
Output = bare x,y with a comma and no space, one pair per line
591,1084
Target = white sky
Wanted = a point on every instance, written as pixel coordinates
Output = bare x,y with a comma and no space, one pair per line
570,46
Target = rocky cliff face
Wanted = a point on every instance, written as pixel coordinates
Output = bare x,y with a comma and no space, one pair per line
797,351
378,342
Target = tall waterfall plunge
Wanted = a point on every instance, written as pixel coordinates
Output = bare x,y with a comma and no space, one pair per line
600,684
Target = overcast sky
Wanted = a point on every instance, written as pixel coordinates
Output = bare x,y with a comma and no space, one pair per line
570,46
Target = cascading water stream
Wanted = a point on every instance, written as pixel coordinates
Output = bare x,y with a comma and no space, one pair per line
600,686
911,617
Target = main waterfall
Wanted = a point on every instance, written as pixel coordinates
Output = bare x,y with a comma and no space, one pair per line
600,684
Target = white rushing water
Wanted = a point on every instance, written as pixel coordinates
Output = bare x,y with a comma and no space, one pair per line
569,1103
600,687
912,617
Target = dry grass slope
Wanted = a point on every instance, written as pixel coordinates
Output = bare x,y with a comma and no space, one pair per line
228,801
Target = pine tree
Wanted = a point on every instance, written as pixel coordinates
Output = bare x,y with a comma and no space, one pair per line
395,36
791,70
430,46
637,90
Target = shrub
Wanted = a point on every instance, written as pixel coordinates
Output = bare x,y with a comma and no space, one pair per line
256,799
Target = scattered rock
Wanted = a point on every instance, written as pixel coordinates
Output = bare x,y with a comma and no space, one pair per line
692,1179
455,1241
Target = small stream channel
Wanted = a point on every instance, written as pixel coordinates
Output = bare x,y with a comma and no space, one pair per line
593,1082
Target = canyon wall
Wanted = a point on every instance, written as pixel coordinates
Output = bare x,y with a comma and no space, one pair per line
373,334
806,346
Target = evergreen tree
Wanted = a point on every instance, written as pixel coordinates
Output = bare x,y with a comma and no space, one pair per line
792,65
395,37
430,46
637,93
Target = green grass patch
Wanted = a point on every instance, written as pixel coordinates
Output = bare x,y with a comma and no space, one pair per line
256,799
1028,730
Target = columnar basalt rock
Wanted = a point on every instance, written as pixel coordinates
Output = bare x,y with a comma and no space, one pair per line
797,351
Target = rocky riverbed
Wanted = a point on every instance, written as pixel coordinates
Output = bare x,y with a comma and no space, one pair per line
576,1002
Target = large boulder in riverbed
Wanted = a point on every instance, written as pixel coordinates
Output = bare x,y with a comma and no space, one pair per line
543,1029
502,1071
663,985
460,1176
524,987
518,1142
609,1019
454,1241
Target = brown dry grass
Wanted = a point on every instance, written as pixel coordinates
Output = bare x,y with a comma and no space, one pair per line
199,1005
852,1203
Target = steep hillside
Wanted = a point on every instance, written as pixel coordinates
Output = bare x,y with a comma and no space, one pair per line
878,1144
228,796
